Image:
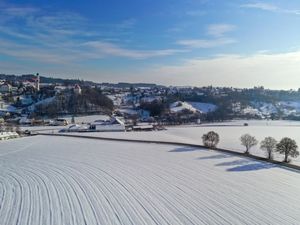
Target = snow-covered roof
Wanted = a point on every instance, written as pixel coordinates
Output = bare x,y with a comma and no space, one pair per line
113,120
179,106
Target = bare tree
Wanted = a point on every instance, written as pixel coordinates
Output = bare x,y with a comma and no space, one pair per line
288,147
9,128
18,129
248,141
73,119
211,139
268,145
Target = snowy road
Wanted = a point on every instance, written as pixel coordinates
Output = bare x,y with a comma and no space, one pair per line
57,180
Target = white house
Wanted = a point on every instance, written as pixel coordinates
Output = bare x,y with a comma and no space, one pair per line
114,124
77,89
59,122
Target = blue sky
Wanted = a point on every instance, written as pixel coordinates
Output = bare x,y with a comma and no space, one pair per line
189,42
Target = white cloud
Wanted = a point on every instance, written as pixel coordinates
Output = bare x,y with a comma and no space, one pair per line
262,6
106,48
60,37
219,30
16,11
271,8
74,52
35,54
205,43
278,71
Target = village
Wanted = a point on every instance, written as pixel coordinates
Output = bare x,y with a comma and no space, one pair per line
34,100
31,103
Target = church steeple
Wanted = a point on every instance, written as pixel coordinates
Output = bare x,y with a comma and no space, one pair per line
37,82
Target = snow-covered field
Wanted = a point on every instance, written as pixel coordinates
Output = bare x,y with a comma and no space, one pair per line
229,132
203,107
192,107
58,180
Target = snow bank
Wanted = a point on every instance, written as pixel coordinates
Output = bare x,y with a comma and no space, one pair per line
8,135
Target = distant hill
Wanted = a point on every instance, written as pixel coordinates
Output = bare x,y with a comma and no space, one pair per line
43,79
54,80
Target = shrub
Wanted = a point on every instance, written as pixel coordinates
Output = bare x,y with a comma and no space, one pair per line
211,139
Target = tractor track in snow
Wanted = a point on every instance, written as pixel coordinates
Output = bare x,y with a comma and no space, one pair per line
222,150
59,180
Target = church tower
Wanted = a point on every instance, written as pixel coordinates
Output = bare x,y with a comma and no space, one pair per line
37,82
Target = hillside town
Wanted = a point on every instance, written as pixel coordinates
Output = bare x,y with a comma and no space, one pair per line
34,100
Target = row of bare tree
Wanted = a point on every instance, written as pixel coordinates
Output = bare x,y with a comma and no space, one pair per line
286,146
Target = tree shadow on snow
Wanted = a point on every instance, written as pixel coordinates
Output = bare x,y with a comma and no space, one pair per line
242,165
252,167
238,162
219,156
185,149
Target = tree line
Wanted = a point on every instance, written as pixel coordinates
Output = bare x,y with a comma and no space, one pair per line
89,101
286,146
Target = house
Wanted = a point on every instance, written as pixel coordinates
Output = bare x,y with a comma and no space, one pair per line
75,128
5,88
59,122
143,127
77,89
114,124
25,121
59,89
